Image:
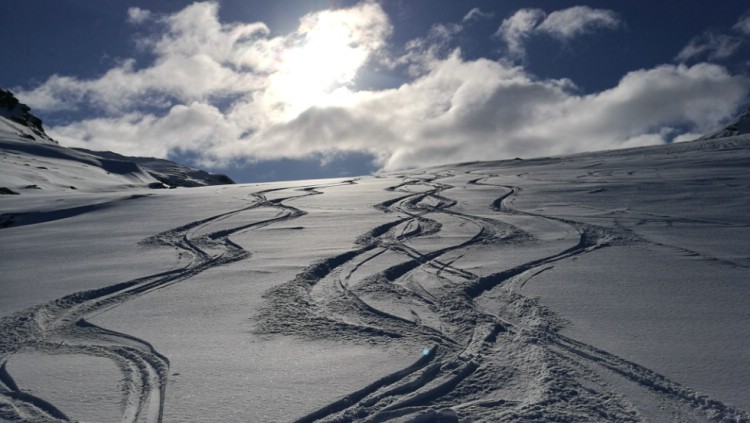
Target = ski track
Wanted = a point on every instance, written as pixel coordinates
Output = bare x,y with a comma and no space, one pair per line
504,363
508,364
60,326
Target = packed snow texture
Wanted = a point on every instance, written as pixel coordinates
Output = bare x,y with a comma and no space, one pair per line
606,286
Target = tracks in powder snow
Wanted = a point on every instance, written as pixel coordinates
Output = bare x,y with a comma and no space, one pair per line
505,361
60,326
494,355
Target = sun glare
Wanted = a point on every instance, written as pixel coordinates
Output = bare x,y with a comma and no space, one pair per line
325,57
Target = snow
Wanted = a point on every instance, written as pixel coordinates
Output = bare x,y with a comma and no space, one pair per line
16,120
31,162
608,286
739,126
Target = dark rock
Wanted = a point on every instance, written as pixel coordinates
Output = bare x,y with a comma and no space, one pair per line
18,112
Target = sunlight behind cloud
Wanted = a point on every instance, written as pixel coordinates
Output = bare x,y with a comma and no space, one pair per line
232,92
326,53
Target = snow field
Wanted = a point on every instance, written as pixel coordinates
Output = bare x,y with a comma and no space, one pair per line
598,287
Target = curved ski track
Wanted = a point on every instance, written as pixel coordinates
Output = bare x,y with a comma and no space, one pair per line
60,326
508,364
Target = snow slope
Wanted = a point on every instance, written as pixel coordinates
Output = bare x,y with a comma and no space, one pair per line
608,286
739,126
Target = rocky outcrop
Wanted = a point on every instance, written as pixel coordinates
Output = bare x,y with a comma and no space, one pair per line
20,113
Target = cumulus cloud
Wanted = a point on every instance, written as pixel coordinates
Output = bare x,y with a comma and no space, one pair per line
197,59
231,92
563,25
485,109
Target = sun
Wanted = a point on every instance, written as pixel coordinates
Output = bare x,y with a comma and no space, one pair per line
322,57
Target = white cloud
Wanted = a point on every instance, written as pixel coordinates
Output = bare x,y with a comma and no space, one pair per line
568,23
714,45
422,51
476,14
460,110
137,15
474,110
200,59
192,127
516,29
197,59
711,45
690,136
561,24
230,92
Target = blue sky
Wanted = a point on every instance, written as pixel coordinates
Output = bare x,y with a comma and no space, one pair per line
266,90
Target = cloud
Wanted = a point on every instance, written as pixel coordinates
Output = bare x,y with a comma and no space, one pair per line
562,25
516,29
137,15
476,14
506,112
473,110
711,45
743,25
578,20
197,59
192,127
233,93
714,45
422,51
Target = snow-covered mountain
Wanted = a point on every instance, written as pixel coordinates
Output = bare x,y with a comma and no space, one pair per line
31,161
739,126
18,120
599,287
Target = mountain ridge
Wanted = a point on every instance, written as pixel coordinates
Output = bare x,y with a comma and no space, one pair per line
20,114
739,126
41,163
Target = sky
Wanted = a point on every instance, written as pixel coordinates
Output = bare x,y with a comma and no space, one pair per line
279,90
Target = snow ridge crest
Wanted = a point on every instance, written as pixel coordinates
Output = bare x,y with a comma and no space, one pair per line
739,126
